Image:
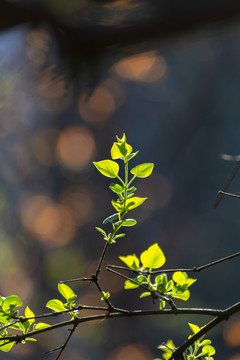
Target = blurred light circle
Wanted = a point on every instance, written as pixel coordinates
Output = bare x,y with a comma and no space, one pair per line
146,67
50,222
231,332
75,147
99,106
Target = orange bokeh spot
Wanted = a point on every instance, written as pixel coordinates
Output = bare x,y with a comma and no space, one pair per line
50,222
103,102
235,357
75,147
131,352
231,332
43,145
146,67
80,201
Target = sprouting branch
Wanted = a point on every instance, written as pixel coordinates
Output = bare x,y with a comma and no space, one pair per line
178,354
193,269
155,294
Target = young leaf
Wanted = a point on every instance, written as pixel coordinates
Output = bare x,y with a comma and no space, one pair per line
105,295
118,189
142,170
111,218
29,314
41,325
153,257
144,294
56,305
11,302
134,202
117,206
131,261
108,168
130,285
101,231
7,347
209,350
195,329
66,292
118,236
126,222
183,295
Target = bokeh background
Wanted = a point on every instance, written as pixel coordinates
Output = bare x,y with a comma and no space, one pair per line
63,100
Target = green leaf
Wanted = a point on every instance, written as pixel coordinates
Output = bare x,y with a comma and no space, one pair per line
153,257
126,222
209,350
131,261
107,168
144,294
11,302
111,218
130,285
117,206
118,236
206,342
180,294
66,292
134,202
120,149
142,170
41,325
29,314
180,277
105,295
162,304
7,347
118,189
101,231
195,329
56,305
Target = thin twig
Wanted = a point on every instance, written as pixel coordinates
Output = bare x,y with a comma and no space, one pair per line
154,293
101,259
193,269
229,179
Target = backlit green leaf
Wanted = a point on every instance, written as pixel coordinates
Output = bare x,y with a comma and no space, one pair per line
41,325
29,314
209,350
142,170
145,294
55,305
118,189
11,302
126,222
101,231
153,257
131,261
107,168
195,329
117,206
7,347
66,292
134,202
180,295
